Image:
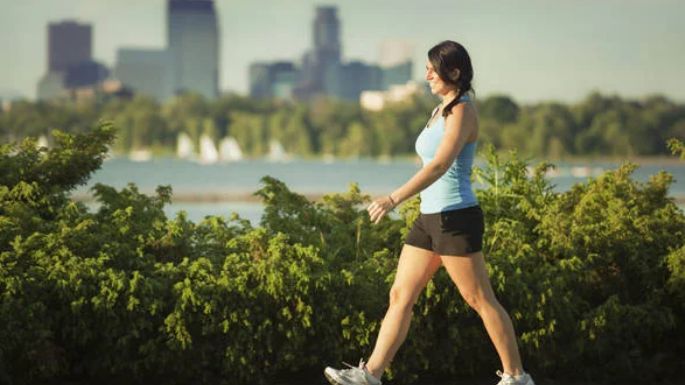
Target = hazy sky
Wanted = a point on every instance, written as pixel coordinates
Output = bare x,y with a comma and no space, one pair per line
529,49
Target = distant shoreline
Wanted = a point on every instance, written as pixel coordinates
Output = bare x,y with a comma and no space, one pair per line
640,160
669,160
248,197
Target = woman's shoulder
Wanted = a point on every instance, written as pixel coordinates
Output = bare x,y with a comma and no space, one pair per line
464,106
465,112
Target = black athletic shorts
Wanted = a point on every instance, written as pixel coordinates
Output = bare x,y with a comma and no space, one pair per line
454,232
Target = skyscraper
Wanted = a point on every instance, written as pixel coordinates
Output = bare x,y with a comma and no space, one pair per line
193,37
347,81
70,63
324,56
327,36
69,43
146,71
269,80
324,74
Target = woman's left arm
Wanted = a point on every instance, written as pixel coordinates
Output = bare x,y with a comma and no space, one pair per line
457,131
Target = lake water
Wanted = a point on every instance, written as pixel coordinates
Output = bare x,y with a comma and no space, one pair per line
222,188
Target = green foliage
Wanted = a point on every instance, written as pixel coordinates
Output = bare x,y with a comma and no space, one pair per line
597,126
677,147
594,279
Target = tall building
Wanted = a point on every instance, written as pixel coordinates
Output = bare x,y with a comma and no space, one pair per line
347,81
273,80
146,71
84,74
260,80
51,85
325,55
284,76
69,43
70,63
323,73
327,36
193,38
396,75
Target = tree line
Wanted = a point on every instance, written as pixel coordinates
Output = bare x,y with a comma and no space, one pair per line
599,125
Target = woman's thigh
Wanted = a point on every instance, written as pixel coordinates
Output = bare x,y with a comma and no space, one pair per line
414,269
470,275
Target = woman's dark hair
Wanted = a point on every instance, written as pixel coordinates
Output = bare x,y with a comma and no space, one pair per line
447,57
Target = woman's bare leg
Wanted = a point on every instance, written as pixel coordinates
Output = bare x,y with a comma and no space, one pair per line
471,277
415,268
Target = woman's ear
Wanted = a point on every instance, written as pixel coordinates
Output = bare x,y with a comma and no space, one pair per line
455,74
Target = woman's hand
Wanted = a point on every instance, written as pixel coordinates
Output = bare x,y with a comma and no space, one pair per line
380,207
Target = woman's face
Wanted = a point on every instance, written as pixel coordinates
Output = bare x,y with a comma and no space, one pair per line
437,85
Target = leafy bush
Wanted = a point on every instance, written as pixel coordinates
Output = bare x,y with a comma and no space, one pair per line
594,279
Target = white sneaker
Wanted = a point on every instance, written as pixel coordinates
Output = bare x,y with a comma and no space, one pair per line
508,379
356,375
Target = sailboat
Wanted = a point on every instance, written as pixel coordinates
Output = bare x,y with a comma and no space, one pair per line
208,152
229,149
276,151
184,146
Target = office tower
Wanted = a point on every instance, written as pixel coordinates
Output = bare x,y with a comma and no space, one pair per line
85,74
325,55
260,80
396,75
146,71
193,39
69,43
70,63
284,75
347,81
51,85
327,36
273,80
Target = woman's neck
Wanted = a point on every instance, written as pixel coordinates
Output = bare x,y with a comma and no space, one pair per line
448,97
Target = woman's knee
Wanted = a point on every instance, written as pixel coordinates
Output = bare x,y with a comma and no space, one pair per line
402,298
478,300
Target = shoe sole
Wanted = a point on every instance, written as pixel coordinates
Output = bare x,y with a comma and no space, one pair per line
330,378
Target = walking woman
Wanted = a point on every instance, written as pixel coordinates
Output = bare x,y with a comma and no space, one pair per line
448,231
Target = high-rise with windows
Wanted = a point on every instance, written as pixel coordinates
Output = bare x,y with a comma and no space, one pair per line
325,55
69,43
146,71
323,73
327,36
70,62
193,38
273,80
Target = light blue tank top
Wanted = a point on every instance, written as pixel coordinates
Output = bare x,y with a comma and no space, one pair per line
453,190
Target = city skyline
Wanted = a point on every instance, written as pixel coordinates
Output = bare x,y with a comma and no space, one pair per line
323,72
530,50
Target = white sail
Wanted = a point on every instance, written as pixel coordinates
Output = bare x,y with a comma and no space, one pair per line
208,152
229,149
276,151
184,146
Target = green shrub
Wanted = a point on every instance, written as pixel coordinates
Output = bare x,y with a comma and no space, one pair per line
594,279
